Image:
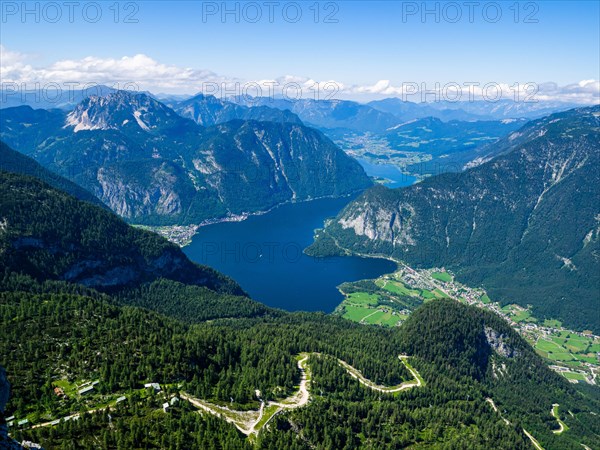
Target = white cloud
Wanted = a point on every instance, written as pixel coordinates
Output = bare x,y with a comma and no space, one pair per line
148,74
140,69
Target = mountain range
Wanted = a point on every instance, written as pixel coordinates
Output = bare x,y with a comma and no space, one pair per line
185,331
374,116
525,224
153,166
208,110
470,110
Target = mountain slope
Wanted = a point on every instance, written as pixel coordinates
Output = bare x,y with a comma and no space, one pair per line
152,166
525,225
50,235
278,162
12,161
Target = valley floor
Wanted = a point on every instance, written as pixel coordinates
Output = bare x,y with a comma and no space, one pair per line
389,300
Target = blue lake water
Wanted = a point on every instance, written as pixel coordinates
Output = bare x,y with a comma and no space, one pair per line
387,171
264,255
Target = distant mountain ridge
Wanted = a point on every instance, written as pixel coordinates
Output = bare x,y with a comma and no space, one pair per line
208,110
328,114
471,110
153,166
526,224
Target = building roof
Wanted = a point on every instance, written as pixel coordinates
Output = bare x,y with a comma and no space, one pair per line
87,389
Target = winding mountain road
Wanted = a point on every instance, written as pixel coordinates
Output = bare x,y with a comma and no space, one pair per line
251,422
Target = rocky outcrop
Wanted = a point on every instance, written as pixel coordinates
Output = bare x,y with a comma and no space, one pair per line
155,167
499,343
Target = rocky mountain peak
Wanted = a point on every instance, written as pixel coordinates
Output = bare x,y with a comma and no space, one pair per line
119,110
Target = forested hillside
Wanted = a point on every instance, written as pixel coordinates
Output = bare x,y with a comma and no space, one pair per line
49,234
60,335
13,161
525,225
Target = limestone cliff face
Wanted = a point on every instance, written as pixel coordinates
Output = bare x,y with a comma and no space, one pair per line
499,343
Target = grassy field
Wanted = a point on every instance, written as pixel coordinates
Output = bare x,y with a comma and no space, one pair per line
566,348
552,323
573,376
518,314
356,313
439,294
362,298
595,348
396,287
523,316
385,318
442,276
485,299
549,346
373,316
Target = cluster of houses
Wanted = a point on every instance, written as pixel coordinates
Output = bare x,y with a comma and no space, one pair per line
83,390
166,406
30,445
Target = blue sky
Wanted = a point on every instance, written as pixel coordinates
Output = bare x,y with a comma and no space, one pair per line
370,41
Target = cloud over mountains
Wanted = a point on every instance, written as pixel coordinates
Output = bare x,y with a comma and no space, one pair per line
17,71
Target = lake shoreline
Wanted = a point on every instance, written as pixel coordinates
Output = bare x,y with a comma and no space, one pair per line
182,235
265,255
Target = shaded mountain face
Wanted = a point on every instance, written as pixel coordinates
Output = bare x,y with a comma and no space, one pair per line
525,225
50,235
208,110
152,166
13,161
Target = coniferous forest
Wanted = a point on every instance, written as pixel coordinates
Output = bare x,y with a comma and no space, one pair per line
65,324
